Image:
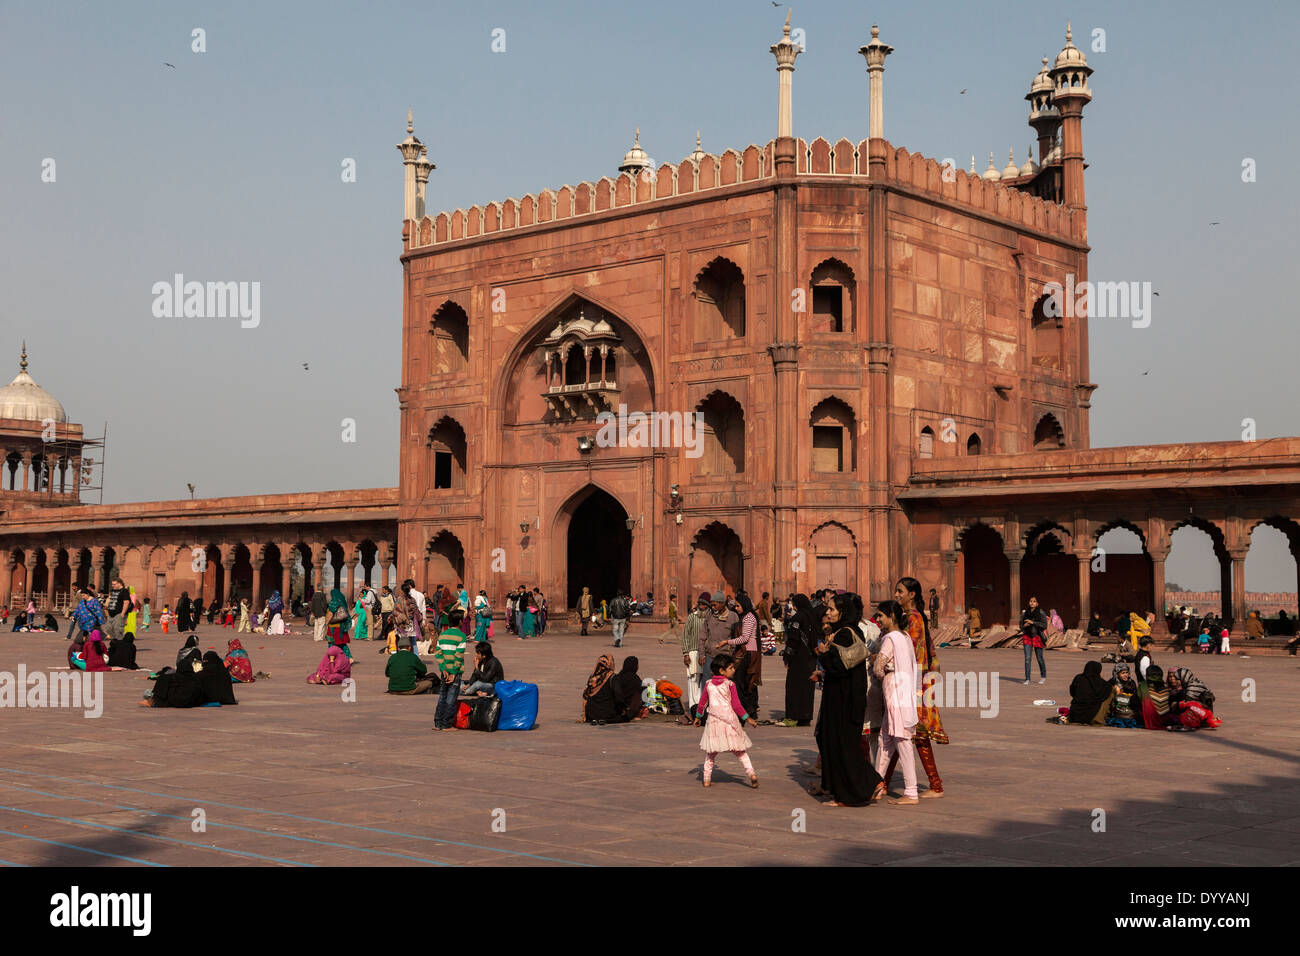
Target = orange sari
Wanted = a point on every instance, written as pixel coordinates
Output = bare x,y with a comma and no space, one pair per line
928,725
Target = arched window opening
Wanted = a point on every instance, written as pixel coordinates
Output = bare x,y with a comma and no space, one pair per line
973,444
927,443
720,302
724,436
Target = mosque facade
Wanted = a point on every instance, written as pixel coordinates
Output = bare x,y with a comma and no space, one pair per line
790,365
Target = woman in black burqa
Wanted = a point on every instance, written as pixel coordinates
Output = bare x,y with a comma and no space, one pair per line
847,778
1090,695
626,685
802,634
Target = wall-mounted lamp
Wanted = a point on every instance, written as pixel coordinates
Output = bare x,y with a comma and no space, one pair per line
631,523
585,444
679,517
523,527
674,491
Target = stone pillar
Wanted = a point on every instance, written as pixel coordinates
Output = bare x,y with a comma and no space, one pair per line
785,511
1238,558
949,586
878,466
29,562
7,585
27,470
1085,587
1013,588
96,569
352,557
287,558
317,566
228,572
1158,558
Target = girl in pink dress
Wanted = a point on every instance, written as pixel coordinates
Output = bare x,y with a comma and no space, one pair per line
724,729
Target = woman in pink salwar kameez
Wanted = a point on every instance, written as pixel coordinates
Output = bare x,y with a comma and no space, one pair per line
896,666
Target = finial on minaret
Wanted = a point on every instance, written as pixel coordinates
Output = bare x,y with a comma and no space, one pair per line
875,53
22,364
972,164
410,148
785,51
1068,35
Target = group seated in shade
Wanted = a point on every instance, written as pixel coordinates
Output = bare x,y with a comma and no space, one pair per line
197,680
611,698
1177,701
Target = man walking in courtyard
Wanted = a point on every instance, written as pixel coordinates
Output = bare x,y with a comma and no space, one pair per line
119,605
584,608
620,609
934,609
319,614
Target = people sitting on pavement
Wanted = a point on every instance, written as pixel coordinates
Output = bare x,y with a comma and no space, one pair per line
237,662
627,686
1090,696
598,695
121,653
1153,699
407,674
334,668
1122,705
487,671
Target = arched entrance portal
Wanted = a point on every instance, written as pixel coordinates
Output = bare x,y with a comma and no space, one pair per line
599,547
988,574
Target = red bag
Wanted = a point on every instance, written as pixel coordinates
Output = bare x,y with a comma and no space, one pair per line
462,717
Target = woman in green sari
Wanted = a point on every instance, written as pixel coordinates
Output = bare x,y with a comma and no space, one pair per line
360,632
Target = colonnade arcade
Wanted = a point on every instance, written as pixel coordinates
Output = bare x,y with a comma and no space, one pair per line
226,570
996,562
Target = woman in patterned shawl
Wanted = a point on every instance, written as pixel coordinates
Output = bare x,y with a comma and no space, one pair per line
598,693
929,729
238,662
1184,685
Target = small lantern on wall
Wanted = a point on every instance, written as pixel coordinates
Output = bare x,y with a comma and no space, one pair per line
523,527
631,523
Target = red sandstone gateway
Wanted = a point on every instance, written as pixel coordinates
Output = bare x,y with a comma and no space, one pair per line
864,332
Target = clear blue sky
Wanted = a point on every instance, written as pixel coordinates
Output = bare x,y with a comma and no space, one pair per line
228,167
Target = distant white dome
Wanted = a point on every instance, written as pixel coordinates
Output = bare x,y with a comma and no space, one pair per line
24,400
1011,170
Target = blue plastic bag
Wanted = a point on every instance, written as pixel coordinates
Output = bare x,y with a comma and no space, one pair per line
518,705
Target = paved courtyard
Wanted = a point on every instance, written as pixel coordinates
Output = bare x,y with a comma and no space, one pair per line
296,776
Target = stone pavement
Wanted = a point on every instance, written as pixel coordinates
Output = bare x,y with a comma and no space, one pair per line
294,775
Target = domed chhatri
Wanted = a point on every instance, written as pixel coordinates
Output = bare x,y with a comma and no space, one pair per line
24,400
636,158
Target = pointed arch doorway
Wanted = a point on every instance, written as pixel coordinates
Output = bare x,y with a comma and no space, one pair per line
599,552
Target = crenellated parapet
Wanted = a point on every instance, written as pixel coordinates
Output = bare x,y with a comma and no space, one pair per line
732,167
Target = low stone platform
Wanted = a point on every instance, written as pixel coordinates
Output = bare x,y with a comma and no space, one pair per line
297,776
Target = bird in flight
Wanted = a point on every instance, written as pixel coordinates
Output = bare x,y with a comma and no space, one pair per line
1147,372
962,93
168,64
1155,293
1215,223
305,368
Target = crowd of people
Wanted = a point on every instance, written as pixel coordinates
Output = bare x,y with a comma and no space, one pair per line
870,722
1140,696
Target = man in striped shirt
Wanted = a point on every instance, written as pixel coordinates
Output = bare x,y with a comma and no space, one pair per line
450,656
